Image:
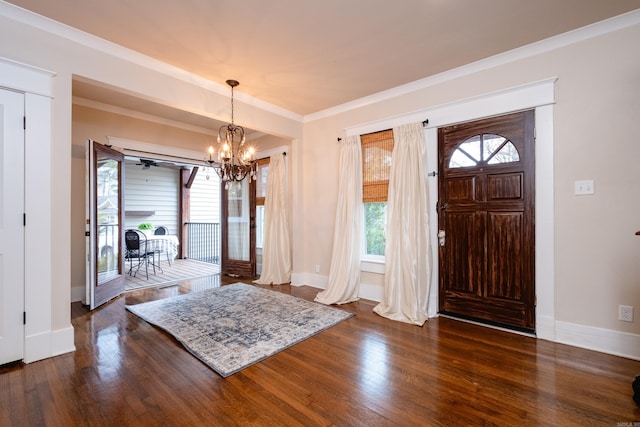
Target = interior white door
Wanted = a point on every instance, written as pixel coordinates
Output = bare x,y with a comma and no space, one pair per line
11,226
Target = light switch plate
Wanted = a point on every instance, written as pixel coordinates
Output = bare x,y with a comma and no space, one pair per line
584,187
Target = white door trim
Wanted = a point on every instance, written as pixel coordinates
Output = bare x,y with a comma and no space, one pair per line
41,340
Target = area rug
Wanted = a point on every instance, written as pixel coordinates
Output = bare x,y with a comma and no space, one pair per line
234,326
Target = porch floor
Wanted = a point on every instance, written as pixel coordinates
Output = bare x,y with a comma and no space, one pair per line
180,269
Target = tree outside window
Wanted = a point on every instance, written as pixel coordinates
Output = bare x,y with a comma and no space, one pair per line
375,218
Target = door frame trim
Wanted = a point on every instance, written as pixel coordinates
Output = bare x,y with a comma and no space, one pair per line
544,220
537,95
42,340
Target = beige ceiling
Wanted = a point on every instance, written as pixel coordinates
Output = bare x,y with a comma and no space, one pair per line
307,56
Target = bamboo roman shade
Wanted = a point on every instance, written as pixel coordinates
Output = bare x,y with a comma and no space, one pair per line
376,165
262,170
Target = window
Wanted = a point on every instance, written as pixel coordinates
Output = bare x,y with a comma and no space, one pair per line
376,168
261,193
375,220
484,149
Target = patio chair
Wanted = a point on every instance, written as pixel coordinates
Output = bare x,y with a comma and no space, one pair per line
163,231
135,250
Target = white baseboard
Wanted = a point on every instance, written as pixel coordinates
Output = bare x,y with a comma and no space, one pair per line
62,341
367,291
603,340
37,347
545,328
78,293
309,279
48,344
371,292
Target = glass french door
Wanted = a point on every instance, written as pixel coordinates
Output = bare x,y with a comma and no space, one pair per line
105,199
239,229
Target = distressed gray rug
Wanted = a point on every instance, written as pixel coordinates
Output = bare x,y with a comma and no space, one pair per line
235,326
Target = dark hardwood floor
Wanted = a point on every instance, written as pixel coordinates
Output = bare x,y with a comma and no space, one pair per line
365,371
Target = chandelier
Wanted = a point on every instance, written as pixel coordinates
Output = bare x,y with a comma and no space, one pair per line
232,160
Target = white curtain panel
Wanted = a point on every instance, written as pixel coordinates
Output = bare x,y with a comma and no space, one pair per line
344,274
407,250
276,250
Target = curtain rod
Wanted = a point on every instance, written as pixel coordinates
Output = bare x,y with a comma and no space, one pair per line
425,123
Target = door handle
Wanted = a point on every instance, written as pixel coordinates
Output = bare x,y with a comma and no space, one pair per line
441,237
442,206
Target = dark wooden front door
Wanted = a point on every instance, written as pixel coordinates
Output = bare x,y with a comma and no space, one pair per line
486,220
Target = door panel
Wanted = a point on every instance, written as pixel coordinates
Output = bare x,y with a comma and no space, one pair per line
462,237
105,276
486,191
505,187
11,226
505,274
462,189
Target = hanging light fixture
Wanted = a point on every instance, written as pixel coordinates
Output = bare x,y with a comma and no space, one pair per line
233,161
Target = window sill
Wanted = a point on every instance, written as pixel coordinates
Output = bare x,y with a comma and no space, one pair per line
372,266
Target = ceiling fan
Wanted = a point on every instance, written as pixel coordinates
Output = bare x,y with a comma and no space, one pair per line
147,163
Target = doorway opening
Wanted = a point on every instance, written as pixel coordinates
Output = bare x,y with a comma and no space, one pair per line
160,194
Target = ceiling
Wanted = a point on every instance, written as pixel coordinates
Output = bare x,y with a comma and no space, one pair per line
306,56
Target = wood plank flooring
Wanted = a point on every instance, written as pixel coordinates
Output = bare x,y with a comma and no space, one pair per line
365,371
180,269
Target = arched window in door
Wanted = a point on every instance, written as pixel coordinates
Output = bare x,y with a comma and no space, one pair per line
486,148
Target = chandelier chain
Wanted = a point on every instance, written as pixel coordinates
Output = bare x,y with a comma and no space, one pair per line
232,121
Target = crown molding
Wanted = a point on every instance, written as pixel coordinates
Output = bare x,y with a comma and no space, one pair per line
584,33
56,28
